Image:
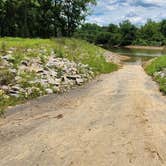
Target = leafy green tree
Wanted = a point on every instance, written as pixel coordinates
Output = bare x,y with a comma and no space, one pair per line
74,12
149,29
9,25
163,27
113,28
88,32
115,39
151,33
128,32
2,15
103,38
42,18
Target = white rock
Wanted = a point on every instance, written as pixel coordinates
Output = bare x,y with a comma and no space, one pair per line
73,76
79,81
5,88
49,91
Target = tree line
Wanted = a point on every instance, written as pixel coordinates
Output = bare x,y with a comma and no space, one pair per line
42,18
152,33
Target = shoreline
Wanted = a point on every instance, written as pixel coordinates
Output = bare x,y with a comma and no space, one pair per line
115,57
145,47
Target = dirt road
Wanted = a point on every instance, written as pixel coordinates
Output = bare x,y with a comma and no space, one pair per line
117,120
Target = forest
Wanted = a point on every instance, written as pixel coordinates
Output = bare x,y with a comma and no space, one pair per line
42,18
151,34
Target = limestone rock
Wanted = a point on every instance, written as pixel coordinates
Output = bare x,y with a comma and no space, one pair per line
79,81
49,91
47,71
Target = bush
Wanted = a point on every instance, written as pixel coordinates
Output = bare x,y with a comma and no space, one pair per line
6,77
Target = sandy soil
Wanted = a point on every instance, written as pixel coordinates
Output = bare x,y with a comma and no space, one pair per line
115,58
117,120
146,47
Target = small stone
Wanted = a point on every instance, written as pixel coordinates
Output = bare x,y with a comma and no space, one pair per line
73,76
49,91
18,78
161,74
79,81
25,63
14,95
53,73
4,87
57,81
7,57
9,52
15,88
13,71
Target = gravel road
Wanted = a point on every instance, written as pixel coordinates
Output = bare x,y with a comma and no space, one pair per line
119,119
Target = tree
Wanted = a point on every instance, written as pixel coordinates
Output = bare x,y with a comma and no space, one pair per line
42,18
149,29
113,28
115,39
2,15
9,26
128,32
151,33
103,38
74,12
88,32
163,27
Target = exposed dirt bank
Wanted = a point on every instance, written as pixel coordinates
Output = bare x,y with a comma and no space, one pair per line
146,47
115,58
118,119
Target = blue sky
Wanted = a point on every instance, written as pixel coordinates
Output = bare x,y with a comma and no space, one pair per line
137,11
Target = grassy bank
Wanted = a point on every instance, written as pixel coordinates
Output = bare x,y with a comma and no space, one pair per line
19,51
72,49
157,70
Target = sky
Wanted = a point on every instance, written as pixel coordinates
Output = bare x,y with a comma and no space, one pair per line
137,11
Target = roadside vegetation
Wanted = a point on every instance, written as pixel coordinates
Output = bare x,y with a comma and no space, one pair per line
157,69
34,67
72,49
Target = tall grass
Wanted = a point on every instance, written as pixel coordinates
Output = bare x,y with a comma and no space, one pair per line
158,65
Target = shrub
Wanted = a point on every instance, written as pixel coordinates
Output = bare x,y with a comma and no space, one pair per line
157,65
6,77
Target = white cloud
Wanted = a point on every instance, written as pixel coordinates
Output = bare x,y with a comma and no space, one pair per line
137,11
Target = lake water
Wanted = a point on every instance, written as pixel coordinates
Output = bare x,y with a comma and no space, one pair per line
138,55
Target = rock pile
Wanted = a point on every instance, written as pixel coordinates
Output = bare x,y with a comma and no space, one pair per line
161,74
44,74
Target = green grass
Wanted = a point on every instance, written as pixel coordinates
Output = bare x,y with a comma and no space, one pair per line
72,49
157,65
11,101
